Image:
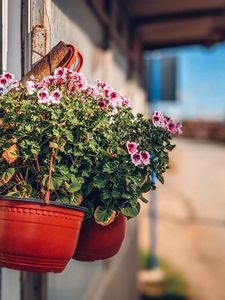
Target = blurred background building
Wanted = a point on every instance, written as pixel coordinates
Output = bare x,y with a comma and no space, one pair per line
161,54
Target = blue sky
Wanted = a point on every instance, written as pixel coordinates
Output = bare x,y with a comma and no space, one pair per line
201,83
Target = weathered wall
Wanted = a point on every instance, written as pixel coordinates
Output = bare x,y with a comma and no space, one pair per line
73,22
10,279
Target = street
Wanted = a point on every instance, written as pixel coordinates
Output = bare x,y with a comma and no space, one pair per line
191,229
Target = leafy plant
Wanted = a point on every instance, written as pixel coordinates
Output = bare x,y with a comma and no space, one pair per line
66,139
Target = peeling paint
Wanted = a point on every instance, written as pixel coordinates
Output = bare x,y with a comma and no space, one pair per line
39,44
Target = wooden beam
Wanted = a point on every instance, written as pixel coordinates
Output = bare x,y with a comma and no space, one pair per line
181,32
163,8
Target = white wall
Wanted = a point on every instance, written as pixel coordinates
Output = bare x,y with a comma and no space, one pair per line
12,55
10,285
14,43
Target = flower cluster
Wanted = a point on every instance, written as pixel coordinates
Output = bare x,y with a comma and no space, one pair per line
107,97
7,80
101,150
49,90
159,120
137,158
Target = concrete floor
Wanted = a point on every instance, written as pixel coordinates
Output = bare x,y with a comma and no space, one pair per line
191,229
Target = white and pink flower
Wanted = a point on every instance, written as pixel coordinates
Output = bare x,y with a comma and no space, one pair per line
30,85
9,76
136,158
59,73
55,97
93,91
3,82
145,157
49,79
100,84
43,97
125,102
179,128
172,127
132,147
103,104
158,118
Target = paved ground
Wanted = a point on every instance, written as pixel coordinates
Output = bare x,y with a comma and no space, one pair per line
192,217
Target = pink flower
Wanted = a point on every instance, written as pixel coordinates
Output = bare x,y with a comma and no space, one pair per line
102,104
157,118
107,89
114,95
136,159
55,97
15,83
145,157
179,128
125,102
68,72
8,76
114,98
3,82
59,72
171,126
93,91
100,83
131,147
40,85
43,97
30,85
49,79
114,111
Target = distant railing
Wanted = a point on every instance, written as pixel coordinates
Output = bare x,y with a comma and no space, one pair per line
210,130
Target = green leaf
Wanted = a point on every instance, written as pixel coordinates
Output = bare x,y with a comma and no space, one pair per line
74,187
146,187
160,177
76,199
107,168
143,199
131,212
55,183
6,176
104,216
99,182
14,194
53,145
170,147
64,200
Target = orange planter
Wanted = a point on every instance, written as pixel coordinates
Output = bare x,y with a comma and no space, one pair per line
37,237
100,242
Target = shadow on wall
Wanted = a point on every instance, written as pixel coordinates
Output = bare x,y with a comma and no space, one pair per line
80,14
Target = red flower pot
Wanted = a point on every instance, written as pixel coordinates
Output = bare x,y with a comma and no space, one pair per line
100,242
37,237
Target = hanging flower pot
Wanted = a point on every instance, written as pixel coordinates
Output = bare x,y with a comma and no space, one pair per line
100,242
37,237
62,140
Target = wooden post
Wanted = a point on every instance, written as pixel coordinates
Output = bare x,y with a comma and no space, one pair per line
33,286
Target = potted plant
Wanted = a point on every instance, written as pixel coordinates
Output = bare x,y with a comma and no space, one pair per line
129,149
40,188
79,141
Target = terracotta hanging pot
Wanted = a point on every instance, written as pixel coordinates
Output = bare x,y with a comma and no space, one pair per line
37,237
100,242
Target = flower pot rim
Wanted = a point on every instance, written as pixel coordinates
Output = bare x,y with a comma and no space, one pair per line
41,201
